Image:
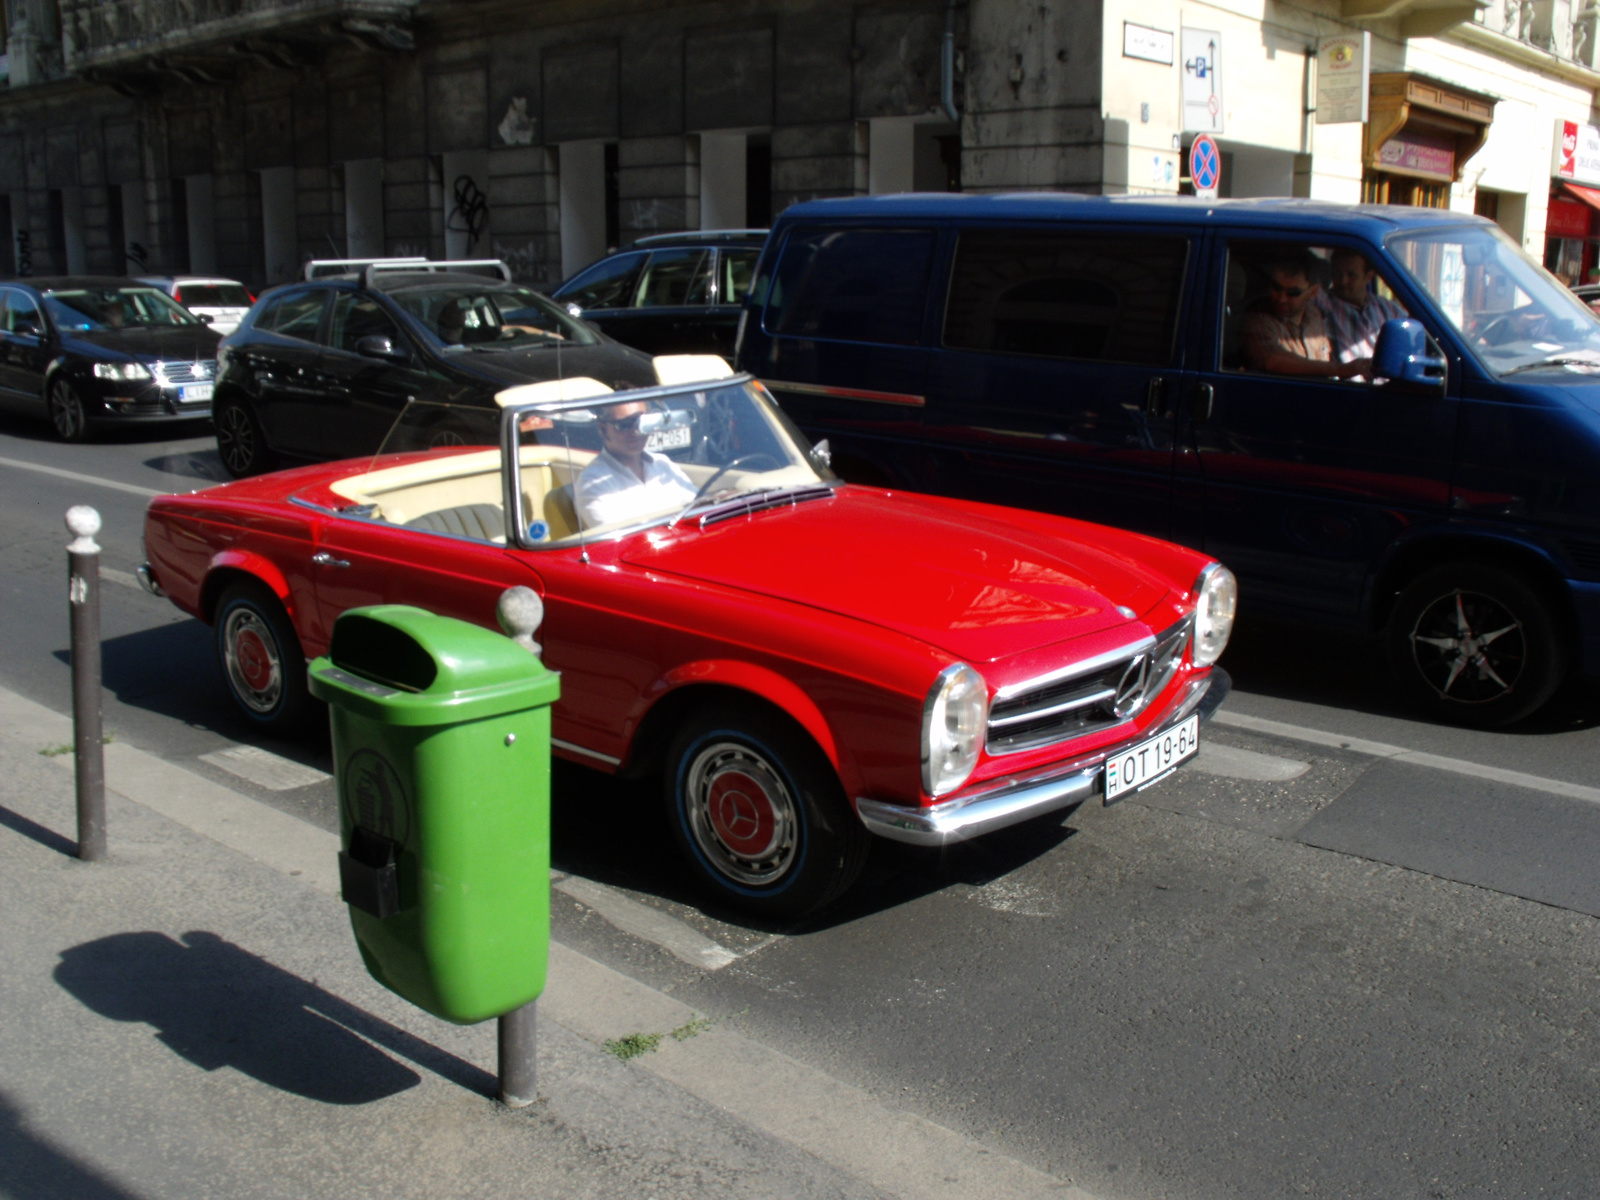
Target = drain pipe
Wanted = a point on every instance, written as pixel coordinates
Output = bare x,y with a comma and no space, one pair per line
947,63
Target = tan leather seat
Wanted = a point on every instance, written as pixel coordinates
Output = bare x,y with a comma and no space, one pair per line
559,512
484,522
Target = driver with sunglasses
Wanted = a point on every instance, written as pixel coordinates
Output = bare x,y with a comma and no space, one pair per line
1286,335
626,481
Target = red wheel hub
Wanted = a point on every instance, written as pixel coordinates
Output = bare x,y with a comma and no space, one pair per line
254,659
742,814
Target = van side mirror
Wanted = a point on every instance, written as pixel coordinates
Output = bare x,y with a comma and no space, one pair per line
376,345
1404,359
26,326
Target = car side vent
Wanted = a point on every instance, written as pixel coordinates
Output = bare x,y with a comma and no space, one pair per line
1585,555
1082,704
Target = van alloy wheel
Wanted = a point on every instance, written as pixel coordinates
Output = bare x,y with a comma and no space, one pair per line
240,442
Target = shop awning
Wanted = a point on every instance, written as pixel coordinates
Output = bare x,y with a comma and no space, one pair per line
1589,196
1425,128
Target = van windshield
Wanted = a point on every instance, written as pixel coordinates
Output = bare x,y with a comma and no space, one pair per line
1516,316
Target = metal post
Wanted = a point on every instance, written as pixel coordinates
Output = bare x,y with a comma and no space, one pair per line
83,593
519,1044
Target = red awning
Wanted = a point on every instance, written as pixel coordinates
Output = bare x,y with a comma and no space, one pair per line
1589,196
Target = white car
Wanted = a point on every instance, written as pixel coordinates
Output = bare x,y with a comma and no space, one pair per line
225,301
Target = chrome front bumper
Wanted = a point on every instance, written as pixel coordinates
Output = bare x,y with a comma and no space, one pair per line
1020,799
147,580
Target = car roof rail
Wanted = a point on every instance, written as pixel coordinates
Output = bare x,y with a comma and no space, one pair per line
701,235
317,268
433,266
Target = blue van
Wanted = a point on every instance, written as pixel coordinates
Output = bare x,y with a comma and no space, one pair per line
1385,418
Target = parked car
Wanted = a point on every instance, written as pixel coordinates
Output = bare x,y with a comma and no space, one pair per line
805,663
1589,293
223,301
86,351
1104,358
674,293
322,369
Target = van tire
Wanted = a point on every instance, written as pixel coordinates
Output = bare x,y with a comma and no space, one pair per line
1474,645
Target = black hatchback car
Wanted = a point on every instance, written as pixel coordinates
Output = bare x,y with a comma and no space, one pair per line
89,350
325,369
674,293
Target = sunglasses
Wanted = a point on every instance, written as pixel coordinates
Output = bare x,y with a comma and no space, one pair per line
626,424
1291,293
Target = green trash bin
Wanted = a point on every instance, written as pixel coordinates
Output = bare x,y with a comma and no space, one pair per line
441,746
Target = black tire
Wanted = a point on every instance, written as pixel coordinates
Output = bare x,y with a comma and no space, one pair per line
68,414
241,442
1474,645
759,813
261,659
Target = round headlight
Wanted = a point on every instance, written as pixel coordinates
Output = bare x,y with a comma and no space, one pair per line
1213,615
953,723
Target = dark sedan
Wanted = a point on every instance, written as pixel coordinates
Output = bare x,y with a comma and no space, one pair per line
324,369
673,293
90,350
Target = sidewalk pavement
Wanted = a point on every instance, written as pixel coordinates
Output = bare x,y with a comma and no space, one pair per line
190,1018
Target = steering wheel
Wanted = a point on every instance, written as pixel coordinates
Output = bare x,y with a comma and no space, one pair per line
744,460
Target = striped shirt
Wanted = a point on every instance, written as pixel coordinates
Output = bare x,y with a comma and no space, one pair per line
1354,330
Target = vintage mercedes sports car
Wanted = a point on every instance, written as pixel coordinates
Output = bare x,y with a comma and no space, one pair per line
806,663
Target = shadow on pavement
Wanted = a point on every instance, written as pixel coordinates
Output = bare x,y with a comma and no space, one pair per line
48,838
197,464
614,831
30,1166
124,433
217,1005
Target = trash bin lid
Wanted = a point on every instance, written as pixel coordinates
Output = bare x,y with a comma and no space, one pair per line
408,666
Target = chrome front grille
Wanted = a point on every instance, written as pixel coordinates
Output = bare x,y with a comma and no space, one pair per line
1104,695
174,373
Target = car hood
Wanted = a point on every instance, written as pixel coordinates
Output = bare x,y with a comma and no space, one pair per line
966,582
608,362
170,342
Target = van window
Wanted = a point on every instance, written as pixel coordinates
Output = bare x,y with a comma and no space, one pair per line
1296,309
852,285
1111,297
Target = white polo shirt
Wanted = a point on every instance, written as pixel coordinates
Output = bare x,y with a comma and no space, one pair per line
609,492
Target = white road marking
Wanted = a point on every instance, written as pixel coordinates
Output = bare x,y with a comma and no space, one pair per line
642,921
1234,763
78,477
899,1153
125,579
1418,758
264,768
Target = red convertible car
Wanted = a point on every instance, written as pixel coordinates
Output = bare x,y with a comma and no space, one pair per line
806,663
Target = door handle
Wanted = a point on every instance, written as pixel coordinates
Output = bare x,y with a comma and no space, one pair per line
1205,400
323,559
1155,397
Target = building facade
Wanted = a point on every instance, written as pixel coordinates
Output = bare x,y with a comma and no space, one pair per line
244,136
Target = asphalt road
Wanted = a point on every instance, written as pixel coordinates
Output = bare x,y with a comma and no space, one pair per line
1356,955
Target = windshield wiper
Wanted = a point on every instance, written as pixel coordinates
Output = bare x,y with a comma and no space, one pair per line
1590,360
759,498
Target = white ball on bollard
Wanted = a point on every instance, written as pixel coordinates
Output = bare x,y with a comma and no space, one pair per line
83,523
521,612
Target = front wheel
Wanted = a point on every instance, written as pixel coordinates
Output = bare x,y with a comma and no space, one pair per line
67,412
759,813
1475,645
261,659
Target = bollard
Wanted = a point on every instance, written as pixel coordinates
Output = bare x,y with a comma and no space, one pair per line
520,612
83,594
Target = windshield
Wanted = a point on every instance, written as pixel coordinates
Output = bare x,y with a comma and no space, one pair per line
114,308
592,466
476,317
1515,315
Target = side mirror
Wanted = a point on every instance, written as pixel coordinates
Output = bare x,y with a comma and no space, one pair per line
205,318
575,310
376,345
26,327
821,456
1404,358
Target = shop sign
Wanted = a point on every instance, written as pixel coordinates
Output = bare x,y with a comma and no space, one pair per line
1419,154
1344,69
1566,219
1576,152
1202,81
1152,45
